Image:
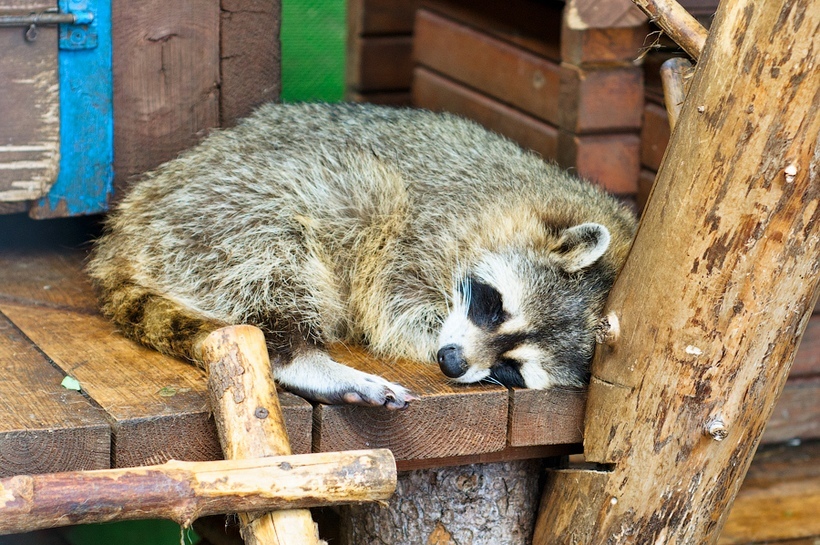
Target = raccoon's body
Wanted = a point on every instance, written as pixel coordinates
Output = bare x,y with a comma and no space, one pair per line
420,235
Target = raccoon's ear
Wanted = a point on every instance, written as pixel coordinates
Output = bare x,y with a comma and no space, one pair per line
581,246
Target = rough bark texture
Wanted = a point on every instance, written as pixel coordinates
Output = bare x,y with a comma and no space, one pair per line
481,504
713,300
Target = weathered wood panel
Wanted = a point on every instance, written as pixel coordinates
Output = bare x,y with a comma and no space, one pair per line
250,57
446,420
166,80
436,92
29,107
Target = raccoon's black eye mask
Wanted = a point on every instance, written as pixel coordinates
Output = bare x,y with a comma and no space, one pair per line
486,307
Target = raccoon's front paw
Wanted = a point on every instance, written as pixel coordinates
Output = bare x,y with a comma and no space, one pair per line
315,376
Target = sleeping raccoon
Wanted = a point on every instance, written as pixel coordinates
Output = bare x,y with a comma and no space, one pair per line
420,235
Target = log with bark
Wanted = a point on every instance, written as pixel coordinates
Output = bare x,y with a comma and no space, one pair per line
714,297
184,491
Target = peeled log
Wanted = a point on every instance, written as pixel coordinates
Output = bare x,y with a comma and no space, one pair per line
184,491
714,297
250,424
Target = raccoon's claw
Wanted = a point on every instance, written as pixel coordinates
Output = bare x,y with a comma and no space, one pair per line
314,375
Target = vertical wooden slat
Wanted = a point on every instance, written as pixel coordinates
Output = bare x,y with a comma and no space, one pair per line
166,80
249,56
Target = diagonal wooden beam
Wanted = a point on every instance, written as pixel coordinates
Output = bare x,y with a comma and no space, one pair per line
714,297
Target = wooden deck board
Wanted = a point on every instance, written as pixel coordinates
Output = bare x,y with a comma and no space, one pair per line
44,427
447,420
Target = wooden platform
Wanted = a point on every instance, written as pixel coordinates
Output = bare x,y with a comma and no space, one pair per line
137,407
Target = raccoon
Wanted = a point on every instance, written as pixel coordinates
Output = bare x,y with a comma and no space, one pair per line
420,235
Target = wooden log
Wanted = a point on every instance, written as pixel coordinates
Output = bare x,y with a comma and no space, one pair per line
654,136
714,297
185,491
250,423
675,76
482,504
677,23
610,160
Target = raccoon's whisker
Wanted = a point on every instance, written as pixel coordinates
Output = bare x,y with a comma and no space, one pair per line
492,380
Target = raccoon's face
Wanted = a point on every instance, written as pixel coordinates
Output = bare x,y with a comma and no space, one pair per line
527,319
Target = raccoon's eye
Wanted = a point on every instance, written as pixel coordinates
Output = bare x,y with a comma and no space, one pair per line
486,306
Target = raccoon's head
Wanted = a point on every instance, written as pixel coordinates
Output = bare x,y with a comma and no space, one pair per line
527,317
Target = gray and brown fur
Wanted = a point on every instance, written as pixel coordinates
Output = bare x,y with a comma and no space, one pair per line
365,224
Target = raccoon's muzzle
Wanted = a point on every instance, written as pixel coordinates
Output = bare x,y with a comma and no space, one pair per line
451,360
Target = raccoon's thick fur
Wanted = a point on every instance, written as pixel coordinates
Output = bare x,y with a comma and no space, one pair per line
421,235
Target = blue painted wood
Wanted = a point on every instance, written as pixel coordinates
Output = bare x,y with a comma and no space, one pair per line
85,181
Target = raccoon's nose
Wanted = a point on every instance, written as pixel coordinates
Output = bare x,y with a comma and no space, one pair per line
451,361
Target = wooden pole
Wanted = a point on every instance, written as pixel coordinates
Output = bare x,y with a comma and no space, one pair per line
185,491
677,23
250,424
676,73
714,297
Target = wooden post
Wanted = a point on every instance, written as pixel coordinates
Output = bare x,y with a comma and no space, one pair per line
184,491
250,424
714,297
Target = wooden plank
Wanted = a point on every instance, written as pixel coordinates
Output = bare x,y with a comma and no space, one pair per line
387,98
30,106
447,420
380,63
779,498
807,361
380,17
44,427
249,57
601,100
166,80
610,160
435,92
529,24
546,417
491,66
796,413
654,135
152,400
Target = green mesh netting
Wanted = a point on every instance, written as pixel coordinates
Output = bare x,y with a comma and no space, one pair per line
313,50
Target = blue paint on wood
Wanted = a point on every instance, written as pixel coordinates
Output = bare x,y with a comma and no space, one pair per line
86,176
